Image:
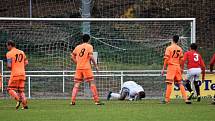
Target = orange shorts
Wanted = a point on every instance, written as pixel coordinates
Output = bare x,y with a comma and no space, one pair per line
17,83
173,74
83,74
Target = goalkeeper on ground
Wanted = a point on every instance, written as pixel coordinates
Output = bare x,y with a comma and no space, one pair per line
131,90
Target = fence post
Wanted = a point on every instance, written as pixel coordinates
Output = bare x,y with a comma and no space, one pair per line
29,87
122,78
63,82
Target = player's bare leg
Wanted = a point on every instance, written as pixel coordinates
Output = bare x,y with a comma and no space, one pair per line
75,92
95,93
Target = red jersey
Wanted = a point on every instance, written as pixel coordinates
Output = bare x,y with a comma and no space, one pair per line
212,62
194,60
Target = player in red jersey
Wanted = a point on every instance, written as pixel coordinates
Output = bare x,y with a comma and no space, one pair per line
212,62
195,66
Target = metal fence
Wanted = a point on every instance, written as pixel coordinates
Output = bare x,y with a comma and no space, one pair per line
58,84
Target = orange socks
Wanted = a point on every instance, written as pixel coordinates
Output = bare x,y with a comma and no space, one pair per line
168,92
23,98
14,95
74,93
95,93
183,92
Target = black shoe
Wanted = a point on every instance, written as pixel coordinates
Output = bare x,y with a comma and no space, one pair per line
99,103
198,98
109,95
191,95
164,102
188,102
18,104
72,103
213,103
24,108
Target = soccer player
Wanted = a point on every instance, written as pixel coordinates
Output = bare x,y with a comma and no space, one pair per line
212,62
82,56
196,66
0,81
16,62
173,58
129,89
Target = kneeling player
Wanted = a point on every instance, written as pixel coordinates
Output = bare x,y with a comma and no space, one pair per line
211,70
196,66
129,89
16,62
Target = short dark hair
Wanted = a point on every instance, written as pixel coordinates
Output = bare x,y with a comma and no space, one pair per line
11,43
140,95
193,46
175,38
86,38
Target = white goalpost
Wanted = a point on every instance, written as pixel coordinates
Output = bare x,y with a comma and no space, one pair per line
127,49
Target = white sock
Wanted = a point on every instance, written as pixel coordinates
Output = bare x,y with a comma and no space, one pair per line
115,95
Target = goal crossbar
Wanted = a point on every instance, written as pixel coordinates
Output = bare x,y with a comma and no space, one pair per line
192,20
97,19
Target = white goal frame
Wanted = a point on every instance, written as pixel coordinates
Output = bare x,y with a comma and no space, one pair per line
120,73
192,21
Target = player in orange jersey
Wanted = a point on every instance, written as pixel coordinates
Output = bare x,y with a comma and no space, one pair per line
82,56
173,58
212,62
16,62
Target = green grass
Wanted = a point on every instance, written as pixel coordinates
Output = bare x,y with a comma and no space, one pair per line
85,110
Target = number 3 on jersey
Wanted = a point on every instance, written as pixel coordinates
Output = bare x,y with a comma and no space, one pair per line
82,52
196,57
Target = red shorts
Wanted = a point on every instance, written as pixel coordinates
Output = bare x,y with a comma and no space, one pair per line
17,83
83,74
173,74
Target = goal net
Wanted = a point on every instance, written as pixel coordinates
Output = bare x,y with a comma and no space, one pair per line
122,44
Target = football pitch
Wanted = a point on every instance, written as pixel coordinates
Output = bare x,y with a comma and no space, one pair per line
85,110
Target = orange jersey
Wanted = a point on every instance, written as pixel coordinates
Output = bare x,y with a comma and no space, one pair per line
173,54
17,59
82,53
